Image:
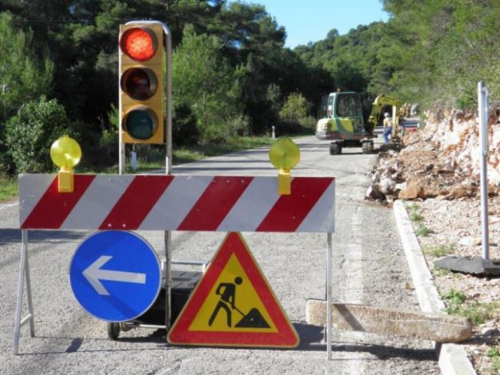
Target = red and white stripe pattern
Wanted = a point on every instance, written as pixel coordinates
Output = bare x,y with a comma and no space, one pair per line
177,203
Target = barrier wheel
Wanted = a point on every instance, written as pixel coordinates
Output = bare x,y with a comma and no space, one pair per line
113,331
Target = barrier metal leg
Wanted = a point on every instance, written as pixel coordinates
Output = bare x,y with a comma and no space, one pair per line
168,278
28,293
329,298
23,272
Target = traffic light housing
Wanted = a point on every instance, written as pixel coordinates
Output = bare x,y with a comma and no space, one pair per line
141,83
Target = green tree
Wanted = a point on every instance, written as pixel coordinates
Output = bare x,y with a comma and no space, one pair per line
23,76
446,47
206,82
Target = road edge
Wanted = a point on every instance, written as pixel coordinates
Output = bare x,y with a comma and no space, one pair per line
453,359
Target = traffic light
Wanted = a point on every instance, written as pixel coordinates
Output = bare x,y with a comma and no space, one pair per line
141,83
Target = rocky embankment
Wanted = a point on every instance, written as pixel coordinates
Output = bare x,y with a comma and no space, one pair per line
440,160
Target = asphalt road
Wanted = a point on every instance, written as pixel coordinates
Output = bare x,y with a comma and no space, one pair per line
369,268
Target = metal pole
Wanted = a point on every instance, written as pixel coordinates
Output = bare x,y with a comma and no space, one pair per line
329,298
28,291
121,146
169,99
20,291
168,170
483,135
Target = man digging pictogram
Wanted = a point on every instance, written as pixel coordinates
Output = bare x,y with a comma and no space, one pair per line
227,293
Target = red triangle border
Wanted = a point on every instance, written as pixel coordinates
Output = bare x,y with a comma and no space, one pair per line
286,336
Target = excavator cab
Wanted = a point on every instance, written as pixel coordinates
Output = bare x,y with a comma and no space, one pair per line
341,120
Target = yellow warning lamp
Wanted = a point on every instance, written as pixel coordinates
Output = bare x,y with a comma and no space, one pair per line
65,153
284,155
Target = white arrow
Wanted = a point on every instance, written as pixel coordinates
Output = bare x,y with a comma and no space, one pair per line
94,274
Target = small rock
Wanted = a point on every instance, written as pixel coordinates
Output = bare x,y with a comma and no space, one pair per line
459,192
470,241
402,185
387,186
413,190
373,193
490,331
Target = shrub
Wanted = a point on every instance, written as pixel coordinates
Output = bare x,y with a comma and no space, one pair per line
30,134
215,134
184,129
238,126
295,108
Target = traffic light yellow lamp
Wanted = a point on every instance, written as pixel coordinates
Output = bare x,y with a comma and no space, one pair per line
66,154
284,155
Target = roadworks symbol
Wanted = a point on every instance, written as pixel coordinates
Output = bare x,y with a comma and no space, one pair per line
233,305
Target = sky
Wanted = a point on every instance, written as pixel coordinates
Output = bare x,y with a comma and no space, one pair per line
310,20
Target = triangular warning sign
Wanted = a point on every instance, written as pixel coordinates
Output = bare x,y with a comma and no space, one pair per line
233,305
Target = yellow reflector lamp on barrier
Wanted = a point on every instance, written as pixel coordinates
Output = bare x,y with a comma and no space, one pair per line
66,154
284,155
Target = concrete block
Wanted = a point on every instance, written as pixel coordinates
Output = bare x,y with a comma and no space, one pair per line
474,265
428,326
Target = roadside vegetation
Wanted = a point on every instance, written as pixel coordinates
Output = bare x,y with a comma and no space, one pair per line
478,313
439,251
8,188
415,216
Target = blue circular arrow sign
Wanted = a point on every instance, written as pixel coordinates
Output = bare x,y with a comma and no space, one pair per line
115,275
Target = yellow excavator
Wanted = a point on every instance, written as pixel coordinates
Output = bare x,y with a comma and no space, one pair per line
379,103
341,121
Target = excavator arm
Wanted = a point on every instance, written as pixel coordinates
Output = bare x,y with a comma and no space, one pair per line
379,102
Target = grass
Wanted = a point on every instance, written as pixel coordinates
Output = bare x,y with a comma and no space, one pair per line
494,353
155,159
454,299
8,188
415,216
477,312
412,207
495,367
422,231
441,272
440,250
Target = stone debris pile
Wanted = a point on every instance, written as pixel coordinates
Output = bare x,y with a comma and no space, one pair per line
441,161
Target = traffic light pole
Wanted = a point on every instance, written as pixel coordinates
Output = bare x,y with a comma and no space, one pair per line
168,159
